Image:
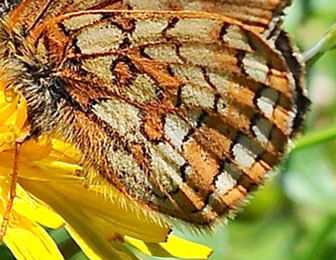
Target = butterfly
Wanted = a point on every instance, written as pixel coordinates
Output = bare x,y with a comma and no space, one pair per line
184,106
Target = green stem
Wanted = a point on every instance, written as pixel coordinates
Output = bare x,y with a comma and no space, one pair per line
327,43
316,137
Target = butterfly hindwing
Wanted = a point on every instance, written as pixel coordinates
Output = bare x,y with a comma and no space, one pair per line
186,121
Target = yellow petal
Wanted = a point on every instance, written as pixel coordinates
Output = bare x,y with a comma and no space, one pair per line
35,211
174,247
140,245
96,223
21,113
45,169
77,219
66,150
7,110
41,150
112,212
182,248
28,241
122,252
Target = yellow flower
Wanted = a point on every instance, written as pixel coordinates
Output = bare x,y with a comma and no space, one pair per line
53,190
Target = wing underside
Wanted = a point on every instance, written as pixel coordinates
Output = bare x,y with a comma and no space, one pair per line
184,111
186,121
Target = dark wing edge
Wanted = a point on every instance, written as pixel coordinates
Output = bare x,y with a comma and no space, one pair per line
293,58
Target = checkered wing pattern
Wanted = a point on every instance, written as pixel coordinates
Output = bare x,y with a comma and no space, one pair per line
186,112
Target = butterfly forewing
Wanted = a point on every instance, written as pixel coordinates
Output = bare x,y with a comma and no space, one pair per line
262,16
187,121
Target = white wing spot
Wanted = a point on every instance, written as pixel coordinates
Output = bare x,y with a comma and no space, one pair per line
100,38
262,130
122,117
267,101
176,129
236,38
77,22
224,183
148,30
245,152
196,97
256,67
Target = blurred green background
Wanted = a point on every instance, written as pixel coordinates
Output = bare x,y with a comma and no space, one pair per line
294,215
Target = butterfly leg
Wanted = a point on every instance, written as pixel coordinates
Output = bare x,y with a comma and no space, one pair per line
12,192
